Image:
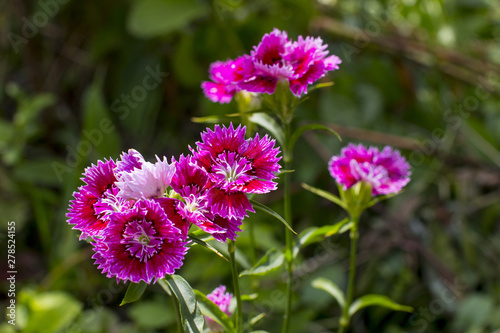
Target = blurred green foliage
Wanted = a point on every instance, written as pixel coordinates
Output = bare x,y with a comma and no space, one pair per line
82,81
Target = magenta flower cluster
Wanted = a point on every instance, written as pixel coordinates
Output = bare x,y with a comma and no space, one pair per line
137,213
386,171
222,299
275,58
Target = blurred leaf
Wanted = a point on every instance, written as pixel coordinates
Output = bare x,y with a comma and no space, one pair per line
39,171
208,119
24,125
301,130
49,311
379,300
324,194
134,292
331,288
271,212
320,86
251,297
152,314
315,234
269,263
266,121
98,132
474,311
191,317
185,66
151,18
209,309
256,319
28,106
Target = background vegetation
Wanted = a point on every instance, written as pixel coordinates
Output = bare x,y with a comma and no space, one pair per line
420,75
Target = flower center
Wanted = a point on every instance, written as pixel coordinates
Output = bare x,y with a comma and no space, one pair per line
368,172
141,240
231,170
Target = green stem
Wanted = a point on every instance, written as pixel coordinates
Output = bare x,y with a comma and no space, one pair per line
253,244
236,284
289,237
344,320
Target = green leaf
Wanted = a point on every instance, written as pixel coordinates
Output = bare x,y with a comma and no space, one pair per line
320,85
381,198
249,297
301,130
269,123
99,132
245,113
324,194
191,317
380,300
209,309
331,288
271,212
256,319
208,246
50,311
151,18
282,172
150,315
186,68
269,263
208,120
134,292
315,234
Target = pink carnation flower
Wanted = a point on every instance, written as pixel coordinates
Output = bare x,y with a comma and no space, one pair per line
275,58
387,171
236,166
86,212
222,299
140,244
192,183
224,76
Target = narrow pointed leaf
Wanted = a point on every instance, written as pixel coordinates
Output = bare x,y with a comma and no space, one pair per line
380,300
346,227
210,309
285,171
191,317
208,119
301,130
381,198
320,85
134,292
266,121
324,194
271,212
246,113
331,288
208,246
270,262
249,297
315,234
256,319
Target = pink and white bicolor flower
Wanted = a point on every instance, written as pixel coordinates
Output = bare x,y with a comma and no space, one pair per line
148,181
